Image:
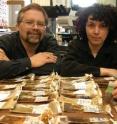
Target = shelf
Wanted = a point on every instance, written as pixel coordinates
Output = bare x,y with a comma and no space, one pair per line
14,2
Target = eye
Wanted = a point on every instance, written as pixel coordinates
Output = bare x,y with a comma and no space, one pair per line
90,24
103,25
40,23
29,22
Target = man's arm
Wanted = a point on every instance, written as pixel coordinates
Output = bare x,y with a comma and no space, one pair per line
11,68
49,45
42,62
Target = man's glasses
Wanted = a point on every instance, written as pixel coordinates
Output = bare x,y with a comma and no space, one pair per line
32,23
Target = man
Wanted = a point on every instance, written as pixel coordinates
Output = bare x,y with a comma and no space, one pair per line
31,49
94,51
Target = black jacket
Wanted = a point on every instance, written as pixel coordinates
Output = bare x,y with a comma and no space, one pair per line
19,63
80,61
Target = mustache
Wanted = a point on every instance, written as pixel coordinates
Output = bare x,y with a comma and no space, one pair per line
34,33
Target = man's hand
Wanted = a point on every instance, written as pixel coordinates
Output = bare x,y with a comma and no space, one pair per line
3,55
43,58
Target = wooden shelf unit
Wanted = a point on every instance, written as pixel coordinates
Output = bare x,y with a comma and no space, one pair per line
13,2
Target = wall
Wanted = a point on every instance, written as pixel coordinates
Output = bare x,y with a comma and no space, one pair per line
113,2
55,2
12,15
67,3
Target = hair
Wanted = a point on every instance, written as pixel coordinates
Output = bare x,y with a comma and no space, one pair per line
99,12
32,6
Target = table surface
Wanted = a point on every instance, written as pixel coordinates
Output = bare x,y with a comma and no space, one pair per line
76,115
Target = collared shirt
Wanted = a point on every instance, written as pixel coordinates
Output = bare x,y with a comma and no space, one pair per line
19,63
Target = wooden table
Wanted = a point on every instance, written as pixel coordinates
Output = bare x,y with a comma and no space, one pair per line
73,116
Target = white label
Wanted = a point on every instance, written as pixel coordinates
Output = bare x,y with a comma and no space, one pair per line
84,102
41,99
2,104
79,92
91,108
39,109
4,95
32,120
109,78
39,93
80,85
41,85
98,119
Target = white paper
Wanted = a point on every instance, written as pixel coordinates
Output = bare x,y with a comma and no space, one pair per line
84,102
2,104
41,99
81,85
79,92
39,108
4,95
39,93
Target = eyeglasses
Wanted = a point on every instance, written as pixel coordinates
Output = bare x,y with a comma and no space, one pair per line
32,23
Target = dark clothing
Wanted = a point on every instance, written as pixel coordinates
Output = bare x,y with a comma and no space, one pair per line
19,63
80,61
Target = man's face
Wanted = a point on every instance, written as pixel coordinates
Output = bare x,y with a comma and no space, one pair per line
32,27
96,32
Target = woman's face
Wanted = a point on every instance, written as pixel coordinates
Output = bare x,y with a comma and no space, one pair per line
96,32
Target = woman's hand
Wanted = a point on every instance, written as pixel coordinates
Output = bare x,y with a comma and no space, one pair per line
114,93
108,72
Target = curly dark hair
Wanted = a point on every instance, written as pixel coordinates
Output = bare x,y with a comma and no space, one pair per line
99,12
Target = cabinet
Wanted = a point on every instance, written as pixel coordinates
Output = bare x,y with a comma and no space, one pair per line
13,8
3,13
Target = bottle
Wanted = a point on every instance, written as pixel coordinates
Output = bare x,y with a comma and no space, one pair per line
108,93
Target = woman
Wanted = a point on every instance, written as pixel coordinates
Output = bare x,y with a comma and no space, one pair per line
94,50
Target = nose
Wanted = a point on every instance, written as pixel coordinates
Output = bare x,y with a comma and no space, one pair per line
97,30
35,26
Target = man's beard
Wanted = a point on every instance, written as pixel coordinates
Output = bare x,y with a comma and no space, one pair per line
34,38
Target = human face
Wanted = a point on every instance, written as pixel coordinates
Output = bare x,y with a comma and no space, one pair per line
96,32
32,27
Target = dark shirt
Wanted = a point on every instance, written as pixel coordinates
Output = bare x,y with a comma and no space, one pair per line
80,61
20,63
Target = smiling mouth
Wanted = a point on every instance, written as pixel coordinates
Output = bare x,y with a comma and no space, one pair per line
34,35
